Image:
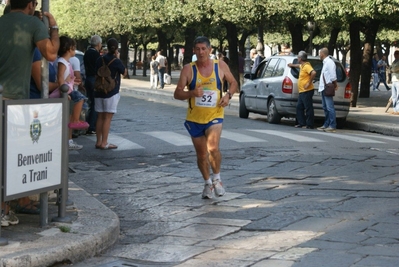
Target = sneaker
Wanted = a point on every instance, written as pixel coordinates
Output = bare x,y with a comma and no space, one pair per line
11,218
208,191
74,146
218,187
330,130
4,221
321,128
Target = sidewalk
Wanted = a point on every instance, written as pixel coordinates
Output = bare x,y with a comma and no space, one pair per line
95,227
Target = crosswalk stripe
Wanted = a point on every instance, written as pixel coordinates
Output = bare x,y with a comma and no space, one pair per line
356,139
240,138
295,137
122,143
390,138
172,138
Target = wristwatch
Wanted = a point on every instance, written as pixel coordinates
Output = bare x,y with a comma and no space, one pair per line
230,95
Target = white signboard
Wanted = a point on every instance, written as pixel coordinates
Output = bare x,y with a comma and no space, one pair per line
32,147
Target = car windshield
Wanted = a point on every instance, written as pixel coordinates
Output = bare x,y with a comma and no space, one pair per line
317,66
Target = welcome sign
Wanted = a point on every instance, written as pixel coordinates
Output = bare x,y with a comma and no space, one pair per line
32,147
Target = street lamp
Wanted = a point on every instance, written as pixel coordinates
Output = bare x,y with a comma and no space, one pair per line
311,26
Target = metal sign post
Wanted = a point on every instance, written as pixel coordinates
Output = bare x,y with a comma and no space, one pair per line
3,241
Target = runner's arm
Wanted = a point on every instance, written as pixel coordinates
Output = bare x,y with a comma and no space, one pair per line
180,93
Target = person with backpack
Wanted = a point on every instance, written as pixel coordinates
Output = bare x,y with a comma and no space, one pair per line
106,92
154,73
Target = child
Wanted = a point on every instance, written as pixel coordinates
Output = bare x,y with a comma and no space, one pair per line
66,75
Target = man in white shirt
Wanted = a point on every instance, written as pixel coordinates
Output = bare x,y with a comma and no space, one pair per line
328,75
395,81
161,67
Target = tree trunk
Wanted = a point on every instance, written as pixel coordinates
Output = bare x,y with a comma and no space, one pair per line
355,60
145,60
233,53
296,36
189,37
333,40
370,32
124,50
241,42
162,42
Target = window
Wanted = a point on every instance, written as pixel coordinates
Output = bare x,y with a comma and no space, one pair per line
280,68
270,68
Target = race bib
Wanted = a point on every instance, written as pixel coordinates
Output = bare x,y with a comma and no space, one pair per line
207,100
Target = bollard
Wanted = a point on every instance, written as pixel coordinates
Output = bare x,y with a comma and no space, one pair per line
3,241
63,191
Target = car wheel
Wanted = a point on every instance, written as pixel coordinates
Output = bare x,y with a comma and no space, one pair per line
243,111
272,114
341,123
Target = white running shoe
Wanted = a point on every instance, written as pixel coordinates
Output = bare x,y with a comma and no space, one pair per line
218,187
4,221
208,191
11,218
74,146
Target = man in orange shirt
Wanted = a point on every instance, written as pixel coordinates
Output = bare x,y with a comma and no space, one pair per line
304,107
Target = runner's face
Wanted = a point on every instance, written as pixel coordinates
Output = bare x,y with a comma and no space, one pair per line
201,51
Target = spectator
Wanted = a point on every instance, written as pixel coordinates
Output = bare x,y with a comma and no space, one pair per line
90,58
382,74
374,72
66,75
154,73
16,57
161,68
304,107
328,75
106,104
257,60
395,82
36,76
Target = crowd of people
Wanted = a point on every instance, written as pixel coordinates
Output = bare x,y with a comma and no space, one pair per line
21,78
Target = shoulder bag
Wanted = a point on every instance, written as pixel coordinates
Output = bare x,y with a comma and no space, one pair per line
329,88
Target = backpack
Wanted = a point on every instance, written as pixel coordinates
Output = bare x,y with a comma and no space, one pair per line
104,83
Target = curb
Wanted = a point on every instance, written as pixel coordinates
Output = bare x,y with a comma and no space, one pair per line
95,229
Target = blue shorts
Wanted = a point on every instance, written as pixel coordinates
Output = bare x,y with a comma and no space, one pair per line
198,129
77,96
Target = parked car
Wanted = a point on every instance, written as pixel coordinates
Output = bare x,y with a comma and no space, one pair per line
273,90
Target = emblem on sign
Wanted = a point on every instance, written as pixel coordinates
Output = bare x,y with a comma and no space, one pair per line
35,127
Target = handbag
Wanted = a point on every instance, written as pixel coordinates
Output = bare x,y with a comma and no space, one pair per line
329,88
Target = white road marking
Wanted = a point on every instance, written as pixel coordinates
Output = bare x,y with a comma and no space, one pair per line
356,139
240,138
295,137
122,143
172,138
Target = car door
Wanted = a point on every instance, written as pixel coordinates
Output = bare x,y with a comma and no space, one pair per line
250,87
265,85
